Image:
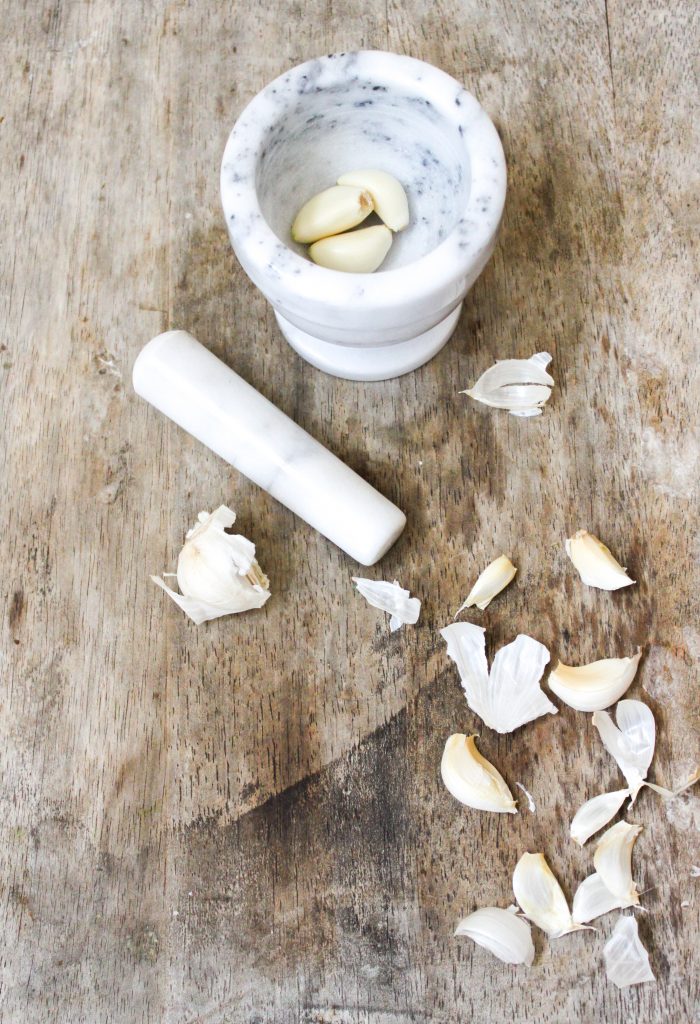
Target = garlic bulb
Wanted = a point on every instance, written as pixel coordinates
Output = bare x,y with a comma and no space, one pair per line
595,813
473,780
632,742
491,582
540,897
510,695
216,571
593,899
626,959
521,386
613,861
502,932
595,564
388,196
595,686
391,598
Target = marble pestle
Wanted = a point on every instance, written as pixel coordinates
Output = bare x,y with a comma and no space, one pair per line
182,379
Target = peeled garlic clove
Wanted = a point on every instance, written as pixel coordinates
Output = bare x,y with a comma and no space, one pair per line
632,744
510,695
613,861
336,209
388,196
391,598
356,252
540,897
595,686
506,936
626,959
595,813
216,571
473,780
593,899
595,564
491,582
521,386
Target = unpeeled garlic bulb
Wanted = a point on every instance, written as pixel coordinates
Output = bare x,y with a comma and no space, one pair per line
626,959
596,565
490,582
355,252
388,196
473,780
216,571
502,932
335,209
595,686
540,896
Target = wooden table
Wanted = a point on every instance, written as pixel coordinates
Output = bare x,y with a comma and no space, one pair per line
245,821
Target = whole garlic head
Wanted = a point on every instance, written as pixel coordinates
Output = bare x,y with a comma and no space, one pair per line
216,571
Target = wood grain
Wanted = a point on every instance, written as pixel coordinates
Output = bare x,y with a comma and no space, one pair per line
244,822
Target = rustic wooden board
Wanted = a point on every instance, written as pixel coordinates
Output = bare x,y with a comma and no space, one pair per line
244,822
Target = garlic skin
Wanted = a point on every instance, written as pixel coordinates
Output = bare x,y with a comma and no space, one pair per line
540,897
473,780
595,563
626,959
216,571
632,742
595,813
522,386
391,598
595,686
509,695
613,861
355,252
335,209
490,582
593,899
388,196
501,932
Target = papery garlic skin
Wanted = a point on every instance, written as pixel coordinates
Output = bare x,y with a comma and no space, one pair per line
490,582
596,565
632,742
473,780
595,813
336,209
593,899
522,386
595,686
540,897
388,195
613,861
216,571
501,932
354,252
626,959
391,598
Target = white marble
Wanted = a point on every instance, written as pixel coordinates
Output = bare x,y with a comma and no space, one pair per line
340,113
206,398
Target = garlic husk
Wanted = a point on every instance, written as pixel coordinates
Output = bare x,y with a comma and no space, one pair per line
336,209
391,598
595,813
473,780
388,195
540,897
501,932
354,252
521,386
216,571
596,565
593,899
631,742
510,695
595,686
491,582
613,861
626,959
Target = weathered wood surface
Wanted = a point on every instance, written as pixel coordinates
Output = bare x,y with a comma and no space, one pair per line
244,822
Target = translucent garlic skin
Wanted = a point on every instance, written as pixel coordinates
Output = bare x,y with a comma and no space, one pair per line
522,386
626,959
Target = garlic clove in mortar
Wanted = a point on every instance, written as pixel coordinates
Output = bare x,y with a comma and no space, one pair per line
595,686
216,571
595,563
473,780
540,896
336,209
388,196
502,932
490,582
355,252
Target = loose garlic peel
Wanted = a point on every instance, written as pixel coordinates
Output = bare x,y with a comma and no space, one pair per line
216,571
391,598
473,780
613,861
595,563
388,196
355,252
522,386
595,686
334,210
490,582
540,896
510,695
501,932
626,959
631,742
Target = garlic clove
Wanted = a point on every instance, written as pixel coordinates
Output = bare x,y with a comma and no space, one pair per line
595,813
336,209
510,695
473,780
595,563
491,582
626,959
540,897
506,936
595,686
391,598
356,252
632,744
521,386
613,861
388,196
593,899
